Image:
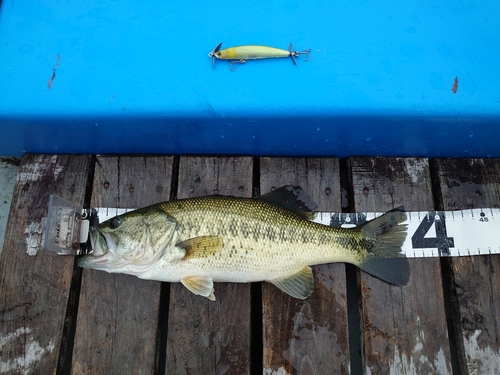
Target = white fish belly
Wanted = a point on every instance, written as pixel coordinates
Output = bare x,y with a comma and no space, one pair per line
243,263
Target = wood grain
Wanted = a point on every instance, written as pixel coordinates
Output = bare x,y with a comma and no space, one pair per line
310,336
117,326
34,289
475,281
404,328
206,337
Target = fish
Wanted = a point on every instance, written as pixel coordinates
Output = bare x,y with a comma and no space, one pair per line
272,238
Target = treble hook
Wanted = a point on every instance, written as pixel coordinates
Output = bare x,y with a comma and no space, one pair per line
231,62
304,52
294,54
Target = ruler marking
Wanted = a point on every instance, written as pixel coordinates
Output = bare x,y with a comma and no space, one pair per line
449,235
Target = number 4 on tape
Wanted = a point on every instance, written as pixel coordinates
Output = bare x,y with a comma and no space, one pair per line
441,242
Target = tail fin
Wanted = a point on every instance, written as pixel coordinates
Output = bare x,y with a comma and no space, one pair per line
384,259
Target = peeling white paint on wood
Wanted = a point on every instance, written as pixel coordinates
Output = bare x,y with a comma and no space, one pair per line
279,371
416,170
33,352
416,365
8,176
419,364
480,361
34,234
312,345
298,353
33,172
20,331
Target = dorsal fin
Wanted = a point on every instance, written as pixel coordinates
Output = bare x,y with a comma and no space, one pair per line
292,198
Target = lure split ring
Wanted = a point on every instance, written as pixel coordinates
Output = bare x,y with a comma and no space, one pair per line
240,54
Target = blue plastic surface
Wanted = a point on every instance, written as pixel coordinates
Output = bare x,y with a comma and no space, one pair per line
102,76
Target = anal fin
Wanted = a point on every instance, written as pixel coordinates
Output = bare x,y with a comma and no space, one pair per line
299,285
200,285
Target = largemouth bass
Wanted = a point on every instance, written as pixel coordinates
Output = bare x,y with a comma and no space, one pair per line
199,241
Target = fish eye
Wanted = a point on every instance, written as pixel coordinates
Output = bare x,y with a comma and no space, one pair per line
115,222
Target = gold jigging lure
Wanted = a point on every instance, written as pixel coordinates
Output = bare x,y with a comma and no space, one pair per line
241,54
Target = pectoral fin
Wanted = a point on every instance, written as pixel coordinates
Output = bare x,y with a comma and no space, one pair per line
299,285
200,285
201,247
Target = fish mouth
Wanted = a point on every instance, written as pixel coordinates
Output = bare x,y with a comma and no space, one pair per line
102,255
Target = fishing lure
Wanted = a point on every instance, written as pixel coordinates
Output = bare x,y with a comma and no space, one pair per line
241,54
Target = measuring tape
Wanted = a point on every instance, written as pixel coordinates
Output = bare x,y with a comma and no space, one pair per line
430,233
437,233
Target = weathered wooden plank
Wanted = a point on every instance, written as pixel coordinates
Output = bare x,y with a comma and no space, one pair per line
117,326
9,168
34,284
310,336
475,281
404,328
206,337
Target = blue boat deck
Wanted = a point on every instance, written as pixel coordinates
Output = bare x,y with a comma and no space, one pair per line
121,77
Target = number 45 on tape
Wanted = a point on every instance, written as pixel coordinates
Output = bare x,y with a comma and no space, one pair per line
438,233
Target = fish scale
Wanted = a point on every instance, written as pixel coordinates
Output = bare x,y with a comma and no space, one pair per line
253,266
293,232
198,241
